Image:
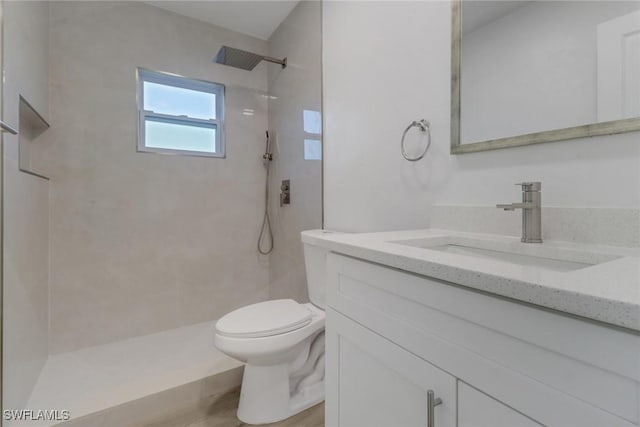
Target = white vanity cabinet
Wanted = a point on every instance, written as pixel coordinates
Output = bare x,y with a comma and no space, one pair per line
476,409
393,336
380,384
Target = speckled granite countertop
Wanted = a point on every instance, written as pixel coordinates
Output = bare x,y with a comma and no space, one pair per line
608,291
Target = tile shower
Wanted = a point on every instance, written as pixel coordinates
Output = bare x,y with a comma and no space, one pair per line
139,253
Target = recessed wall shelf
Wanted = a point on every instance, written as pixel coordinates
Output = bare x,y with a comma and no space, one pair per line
31,125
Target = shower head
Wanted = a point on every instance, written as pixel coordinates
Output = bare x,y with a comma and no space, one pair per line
242,59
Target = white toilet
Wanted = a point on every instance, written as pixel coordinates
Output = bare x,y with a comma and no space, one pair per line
282,344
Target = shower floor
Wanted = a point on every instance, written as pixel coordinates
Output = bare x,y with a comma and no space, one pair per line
96,378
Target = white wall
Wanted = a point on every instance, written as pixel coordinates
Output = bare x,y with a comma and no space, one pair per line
26,205
145,242
384,65
293,90
388,63
534,69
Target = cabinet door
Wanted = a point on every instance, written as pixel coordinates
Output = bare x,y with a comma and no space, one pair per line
372,382
476,409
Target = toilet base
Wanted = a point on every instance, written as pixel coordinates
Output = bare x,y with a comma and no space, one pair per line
265,396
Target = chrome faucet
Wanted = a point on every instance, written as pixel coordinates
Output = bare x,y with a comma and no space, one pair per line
531,211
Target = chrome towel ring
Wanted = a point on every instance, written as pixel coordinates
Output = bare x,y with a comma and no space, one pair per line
424,126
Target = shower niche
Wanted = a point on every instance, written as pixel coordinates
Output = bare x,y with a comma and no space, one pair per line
32,125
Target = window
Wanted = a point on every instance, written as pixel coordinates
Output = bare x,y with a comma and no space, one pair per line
179,115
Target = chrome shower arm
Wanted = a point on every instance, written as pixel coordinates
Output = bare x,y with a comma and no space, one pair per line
282,62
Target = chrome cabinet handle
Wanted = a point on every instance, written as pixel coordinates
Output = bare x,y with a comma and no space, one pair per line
432,402
6,128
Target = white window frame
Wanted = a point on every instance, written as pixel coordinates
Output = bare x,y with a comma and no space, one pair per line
144,75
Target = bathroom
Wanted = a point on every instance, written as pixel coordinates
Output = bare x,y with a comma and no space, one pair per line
323,244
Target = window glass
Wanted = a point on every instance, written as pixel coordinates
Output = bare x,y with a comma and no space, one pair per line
177,101
174,136
180,114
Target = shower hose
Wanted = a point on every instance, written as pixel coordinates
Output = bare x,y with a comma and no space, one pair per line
265,247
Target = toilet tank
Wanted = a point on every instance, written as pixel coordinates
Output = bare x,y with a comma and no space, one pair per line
315,262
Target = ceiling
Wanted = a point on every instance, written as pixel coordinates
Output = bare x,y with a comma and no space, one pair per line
476,14
256,18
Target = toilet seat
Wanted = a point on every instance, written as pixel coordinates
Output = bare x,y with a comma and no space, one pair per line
264,319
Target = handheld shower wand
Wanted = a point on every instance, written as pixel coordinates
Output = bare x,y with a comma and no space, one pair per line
267,150
265,248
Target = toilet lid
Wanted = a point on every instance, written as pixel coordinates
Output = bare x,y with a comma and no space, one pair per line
264,319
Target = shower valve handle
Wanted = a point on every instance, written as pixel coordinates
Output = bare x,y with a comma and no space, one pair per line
285,192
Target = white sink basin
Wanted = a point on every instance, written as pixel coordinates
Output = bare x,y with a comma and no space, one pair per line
540,255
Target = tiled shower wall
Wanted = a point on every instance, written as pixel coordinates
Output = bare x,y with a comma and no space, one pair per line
145,242
293,91
26,205
130,243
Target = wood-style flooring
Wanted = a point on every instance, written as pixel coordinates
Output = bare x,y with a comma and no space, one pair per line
222,413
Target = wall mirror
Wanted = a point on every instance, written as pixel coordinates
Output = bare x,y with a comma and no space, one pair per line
528,72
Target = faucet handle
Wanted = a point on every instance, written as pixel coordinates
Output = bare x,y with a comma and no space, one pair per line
530,186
